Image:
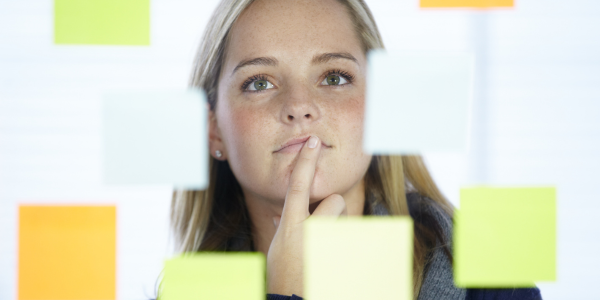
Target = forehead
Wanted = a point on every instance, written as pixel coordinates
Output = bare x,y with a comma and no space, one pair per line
292,30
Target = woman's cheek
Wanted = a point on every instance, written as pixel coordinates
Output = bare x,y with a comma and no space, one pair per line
252,144
353,113
243,138
246,124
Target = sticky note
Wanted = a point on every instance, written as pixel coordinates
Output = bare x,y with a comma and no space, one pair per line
214,275
102,22
67,252
505,237
466,3
417,102
358,258
155,138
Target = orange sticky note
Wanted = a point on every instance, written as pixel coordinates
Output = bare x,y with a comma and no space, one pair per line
467,3
67,252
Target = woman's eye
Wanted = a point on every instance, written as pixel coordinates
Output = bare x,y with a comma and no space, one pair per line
334,80
260,85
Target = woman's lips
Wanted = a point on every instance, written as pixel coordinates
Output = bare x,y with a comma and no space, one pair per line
295,148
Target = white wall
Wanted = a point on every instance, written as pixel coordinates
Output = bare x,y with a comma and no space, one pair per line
536,112
544,123
50,122
536,121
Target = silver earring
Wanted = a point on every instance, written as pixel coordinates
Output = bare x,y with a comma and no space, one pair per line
218,153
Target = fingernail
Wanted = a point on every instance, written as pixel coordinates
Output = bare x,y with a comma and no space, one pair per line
312,142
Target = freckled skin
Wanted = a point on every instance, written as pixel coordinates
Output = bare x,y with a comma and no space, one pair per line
249,127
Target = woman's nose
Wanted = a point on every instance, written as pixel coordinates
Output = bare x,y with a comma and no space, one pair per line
299,106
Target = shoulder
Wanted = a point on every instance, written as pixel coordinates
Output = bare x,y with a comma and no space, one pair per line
429,216
431,221
438,282
426,210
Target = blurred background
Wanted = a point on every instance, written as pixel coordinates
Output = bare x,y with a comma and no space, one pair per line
535,119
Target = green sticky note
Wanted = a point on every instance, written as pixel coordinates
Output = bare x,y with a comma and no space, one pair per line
102,22
215,276
358,258
505,237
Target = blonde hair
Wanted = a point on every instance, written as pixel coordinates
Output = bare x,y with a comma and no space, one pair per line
216,218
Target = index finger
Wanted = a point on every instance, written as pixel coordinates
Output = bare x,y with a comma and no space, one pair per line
295,208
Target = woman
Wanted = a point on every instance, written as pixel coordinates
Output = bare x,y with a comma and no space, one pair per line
285,82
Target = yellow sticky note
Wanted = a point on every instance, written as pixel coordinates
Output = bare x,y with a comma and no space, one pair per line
505,237
211,275
67,252
358,258
467,3
102,22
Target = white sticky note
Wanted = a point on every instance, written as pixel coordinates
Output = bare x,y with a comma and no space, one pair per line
358,258
156,138
417,102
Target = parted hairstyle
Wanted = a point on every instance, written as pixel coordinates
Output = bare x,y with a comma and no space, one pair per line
216,219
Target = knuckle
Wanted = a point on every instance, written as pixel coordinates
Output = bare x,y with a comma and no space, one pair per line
338,200
296,189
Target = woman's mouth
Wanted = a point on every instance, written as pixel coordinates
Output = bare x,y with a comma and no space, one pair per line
295,145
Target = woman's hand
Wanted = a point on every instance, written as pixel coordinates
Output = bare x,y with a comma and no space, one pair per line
285,258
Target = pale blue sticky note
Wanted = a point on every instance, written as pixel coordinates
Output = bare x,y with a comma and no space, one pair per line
417,102
156,138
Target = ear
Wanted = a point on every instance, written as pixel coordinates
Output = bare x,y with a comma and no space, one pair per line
215,141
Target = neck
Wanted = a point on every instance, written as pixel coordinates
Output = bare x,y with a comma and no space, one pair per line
262,212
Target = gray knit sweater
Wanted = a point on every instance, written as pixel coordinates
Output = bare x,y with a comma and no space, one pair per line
438,282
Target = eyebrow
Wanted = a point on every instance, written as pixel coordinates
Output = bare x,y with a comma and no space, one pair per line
263,61
272,61
326,57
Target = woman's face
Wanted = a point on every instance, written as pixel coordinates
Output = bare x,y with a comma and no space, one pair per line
292,69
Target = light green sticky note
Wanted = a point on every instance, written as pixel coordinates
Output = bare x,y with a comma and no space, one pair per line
215,276
102,22
505,237
358,258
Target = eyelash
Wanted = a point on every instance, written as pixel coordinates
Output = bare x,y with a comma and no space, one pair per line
349,77
251,80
